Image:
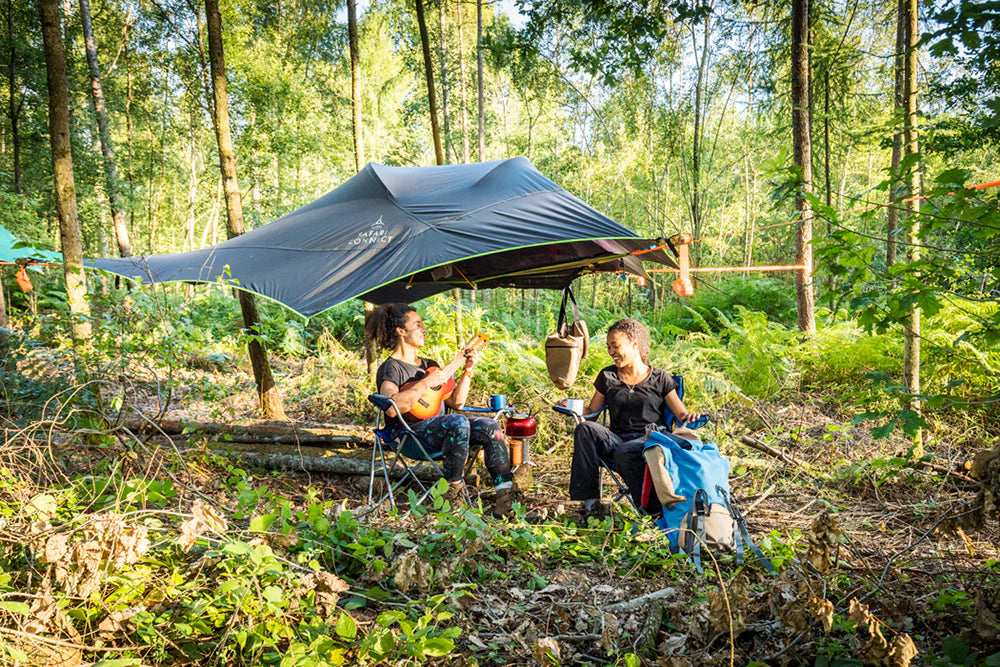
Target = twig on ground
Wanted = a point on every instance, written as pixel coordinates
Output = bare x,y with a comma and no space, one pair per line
944,470
803,508
786,647
636,603
781,456
913,545
60,642
759,500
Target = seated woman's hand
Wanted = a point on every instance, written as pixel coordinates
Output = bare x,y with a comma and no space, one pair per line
694,419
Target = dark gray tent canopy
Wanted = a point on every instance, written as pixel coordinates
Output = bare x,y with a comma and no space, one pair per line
404,233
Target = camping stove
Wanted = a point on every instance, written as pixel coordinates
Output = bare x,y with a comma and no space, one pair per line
520,429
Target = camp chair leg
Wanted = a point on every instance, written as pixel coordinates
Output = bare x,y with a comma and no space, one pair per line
622,492
378,454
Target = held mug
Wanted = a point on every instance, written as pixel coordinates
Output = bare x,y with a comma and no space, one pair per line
498,402
576,405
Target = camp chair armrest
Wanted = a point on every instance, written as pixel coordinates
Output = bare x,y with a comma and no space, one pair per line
480,410
563,410
383,402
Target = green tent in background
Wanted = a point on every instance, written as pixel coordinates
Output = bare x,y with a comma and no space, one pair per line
12,250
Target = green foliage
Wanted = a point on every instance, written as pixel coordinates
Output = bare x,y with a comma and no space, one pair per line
716,300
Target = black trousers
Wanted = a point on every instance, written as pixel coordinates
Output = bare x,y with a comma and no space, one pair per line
593,443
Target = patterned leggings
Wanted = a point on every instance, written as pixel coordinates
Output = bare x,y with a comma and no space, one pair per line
456,435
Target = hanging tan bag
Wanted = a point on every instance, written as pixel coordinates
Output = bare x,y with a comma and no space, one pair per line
565,348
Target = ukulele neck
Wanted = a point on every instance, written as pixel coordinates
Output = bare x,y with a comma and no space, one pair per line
450,369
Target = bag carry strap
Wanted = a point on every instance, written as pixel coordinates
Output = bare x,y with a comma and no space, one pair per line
699,511
561,323
741,534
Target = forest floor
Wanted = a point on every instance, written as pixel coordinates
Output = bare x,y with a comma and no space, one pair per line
882,557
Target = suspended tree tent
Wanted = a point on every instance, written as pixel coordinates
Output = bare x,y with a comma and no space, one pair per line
14,251
404,233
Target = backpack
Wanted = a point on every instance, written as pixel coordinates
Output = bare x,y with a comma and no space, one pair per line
691,480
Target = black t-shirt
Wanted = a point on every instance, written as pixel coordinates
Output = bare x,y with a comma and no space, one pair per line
634,406
399,372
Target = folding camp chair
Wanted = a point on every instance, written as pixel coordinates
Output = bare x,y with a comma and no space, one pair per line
669,420
394,435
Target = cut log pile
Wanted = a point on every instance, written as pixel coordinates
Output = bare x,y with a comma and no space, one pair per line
323,448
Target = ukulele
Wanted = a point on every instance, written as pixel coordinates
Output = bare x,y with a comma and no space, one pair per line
429,404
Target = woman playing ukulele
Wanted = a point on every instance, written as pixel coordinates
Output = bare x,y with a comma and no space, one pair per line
404,377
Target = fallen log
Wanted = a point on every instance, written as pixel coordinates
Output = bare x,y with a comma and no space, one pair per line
277,433
355,462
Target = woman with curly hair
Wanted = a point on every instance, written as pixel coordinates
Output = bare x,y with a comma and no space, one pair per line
636,394
399,327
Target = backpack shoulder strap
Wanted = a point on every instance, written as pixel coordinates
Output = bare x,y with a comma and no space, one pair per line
741,534
696,525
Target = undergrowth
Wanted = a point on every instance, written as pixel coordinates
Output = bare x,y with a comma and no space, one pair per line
111,547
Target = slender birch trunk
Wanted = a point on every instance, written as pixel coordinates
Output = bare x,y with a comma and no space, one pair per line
480,95
462,84
445,90
359,144
911,340
107,148
892,213
14,105
62,166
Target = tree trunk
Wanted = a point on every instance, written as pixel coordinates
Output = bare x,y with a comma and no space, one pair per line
62,165
14,105
270,398
480,95
3,303
826,171
192,186
748,205
352,38
107,149
892,213
129,139
702,66
359,146
445,92
803,160
461,88
429,72
205,79
456,297
911,341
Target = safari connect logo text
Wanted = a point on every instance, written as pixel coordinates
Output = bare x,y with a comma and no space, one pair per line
375,234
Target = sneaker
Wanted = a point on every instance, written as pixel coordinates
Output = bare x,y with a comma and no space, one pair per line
502,503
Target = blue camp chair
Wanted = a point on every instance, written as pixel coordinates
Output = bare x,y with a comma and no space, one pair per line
395,439
669,420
